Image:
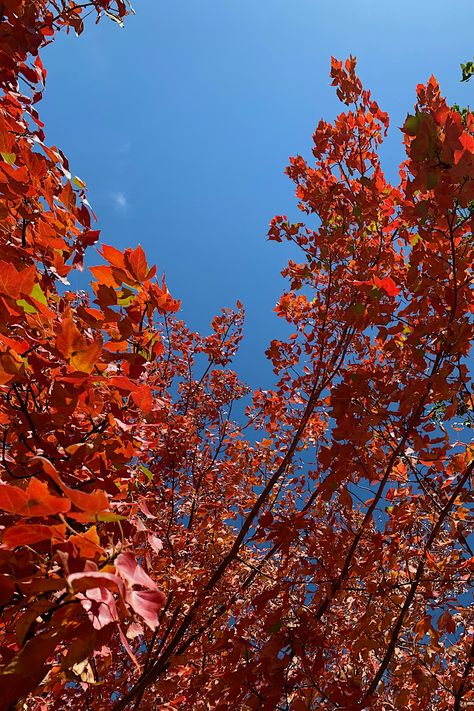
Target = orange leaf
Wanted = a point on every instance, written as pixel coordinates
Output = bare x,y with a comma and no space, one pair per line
11,365
446,622
142,397
13,283
85,360
136,263
24,534
70,339
87,543
104,275
94,502
422,627
35,501
114,256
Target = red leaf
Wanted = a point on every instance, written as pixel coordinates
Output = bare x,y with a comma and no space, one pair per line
24,534
136,263
79,582
7,589
143,398
35,501
388,285
94,502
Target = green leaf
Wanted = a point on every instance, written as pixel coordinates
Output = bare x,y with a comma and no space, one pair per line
27,308
78,182
411,125
467,71
38,294
9,158
146,472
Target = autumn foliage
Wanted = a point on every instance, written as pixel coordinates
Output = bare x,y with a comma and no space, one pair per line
157,553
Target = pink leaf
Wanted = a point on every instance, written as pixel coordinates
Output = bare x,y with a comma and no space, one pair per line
128,649
146,604
100,606
155,543
133,574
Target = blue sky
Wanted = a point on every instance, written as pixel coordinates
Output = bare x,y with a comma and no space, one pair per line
182,124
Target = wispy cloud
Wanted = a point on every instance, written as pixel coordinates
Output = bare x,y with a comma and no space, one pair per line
120,201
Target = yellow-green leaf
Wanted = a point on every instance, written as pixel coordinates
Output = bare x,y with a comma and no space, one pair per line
37,293
27,308
109,517
146,472
125,302
9,158
78,182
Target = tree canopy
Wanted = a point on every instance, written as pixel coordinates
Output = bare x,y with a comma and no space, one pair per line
159,552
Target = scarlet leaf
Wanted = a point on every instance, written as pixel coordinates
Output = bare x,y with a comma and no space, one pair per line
34,501
143,398
136,262
388,285
26,534
94,502
13,283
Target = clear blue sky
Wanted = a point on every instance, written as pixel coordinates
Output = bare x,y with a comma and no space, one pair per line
182,124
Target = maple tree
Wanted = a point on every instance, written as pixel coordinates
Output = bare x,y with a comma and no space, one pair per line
157,552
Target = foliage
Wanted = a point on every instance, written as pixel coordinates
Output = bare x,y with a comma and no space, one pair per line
467,70
464,111
158,554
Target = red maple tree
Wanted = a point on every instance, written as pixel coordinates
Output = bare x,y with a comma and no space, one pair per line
157,553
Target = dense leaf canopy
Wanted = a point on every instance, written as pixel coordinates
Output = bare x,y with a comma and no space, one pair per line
315,554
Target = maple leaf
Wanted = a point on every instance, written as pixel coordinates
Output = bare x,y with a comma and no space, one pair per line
28,534
34,501
94,502
14,282
388,285
288,580
100,606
